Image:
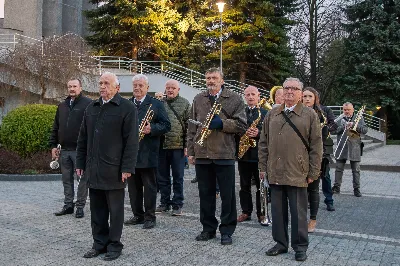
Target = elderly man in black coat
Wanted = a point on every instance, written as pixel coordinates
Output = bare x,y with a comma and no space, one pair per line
107,152
143,186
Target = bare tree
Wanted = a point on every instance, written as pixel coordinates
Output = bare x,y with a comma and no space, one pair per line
44,67
319,24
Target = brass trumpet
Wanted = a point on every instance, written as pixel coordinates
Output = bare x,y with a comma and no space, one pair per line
205,132
266,221
147,118
55,164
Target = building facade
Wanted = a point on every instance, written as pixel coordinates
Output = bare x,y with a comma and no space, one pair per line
44,18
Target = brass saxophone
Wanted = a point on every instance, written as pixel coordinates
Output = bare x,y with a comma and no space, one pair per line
245,141
205,132
147,118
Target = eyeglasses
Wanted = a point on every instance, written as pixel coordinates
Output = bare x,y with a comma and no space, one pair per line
291,88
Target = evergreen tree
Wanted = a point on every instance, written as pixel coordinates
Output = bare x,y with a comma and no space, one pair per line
255,44
133,28
373,55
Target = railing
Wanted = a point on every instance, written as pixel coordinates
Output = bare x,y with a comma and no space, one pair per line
370,120
190,77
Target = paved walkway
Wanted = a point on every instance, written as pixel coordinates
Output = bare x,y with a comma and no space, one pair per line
362,231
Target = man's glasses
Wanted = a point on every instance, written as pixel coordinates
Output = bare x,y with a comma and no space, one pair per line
291,88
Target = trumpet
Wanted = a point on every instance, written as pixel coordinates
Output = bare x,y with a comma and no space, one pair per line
205,132
350,133
267,104
55,164
266,221
147,118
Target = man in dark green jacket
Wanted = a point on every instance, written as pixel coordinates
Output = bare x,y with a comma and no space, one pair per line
173,150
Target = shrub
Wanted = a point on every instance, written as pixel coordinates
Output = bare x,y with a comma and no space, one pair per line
26,129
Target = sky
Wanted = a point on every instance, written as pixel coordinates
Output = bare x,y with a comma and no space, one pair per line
1,8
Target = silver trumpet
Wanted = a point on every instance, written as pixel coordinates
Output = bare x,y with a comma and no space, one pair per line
55,164
266,221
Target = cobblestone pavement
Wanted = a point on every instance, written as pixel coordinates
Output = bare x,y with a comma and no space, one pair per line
362,231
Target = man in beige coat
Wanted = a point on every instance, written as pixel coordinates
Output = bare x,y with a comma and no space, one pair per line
290,164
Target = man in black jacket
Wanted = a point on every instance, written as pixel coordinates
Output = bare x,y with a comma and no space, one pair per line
65,132
143,185
106,154
248,164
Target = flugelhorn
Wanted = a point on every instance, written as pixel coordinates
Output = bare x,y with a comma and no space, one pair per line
267,104
55,164
146,119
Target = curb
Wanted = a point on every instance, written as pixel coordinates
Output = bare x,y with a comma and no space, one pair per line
371,167
43,177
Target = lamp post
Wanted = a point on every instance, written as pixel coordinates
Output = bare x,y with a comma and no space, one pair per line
220,9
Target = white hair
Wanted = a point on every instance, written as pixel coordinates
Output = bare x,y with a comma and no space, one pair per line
348,103
294,79
139,77
115,78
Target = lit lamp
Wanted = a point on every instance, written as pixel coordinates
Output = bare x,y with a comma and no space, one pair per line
220,9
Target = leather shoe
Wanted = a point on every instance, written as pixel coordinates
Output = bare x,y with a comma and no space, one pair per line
276,250
300,256
79,213
226,240
243,217
149,224
93,253
330,207
134,220
112,255
311,226
357,192
205,236
65,210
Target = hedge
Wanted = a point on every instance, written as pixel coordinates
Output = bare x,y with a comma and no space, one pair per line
26,129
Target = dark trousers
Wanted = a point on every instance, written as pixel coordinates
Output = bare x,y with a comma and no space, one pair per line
313,198
327,186
248,170
105,204
67,163
171,160
296,197
142,187
207,175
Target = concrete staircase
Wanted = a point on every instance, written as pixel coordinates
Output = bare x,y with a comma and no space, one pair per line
369,144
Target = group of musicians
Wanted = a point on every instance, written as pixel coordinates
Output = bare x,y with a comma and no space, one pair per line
113,141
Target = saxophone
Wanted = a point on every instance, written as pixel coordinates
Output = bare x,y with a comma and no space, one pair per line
205,132
147,118
245,141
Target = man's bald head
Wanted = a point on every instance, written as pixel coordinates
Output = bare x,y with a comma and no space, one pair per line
252,96
172,88
348,109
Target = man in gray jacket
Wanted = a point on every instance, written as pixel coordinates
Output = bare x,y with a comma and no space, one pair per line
291,161
173,150
352,149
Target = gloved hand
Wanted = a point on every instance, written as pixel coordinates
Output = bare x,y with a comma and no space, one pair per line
216,123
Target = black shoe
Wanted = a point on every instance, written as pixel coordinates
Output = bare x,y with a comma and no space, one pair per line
226,240
176,211
357,192
205,236
112,255
79,213
65,210
149,224
336,189
93,253
330,207
162,208
194,180
276,250
134,220
300,256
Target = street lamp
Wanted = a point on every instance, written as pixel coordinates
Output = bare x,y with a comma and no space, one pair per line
220,9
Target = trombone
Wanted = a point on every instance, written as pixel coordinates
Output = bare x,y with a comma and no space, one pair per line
350,133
